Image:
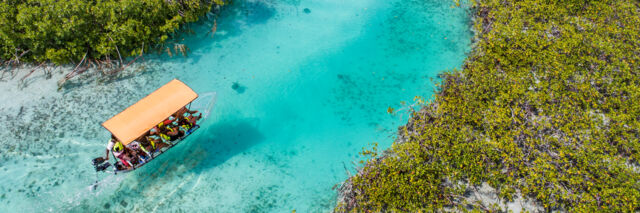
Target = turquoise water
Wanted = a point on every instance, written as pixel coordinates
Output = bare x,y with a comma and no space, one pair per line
311,89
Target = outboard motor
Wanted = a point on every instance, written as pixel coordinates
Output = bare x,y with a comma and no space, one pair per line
100,164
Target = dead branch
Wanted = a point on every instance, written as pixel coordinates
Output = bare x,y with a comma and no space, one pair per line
31,72
16,60
97,63
47,72
180,48
142,51
117,50
25,52
214,28
70,75
119,56
100,66
2,69
90,63
81,61
74,72
169,52
131,62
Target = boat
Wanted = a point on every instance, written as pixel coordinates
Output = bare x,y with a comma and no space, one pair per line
155,110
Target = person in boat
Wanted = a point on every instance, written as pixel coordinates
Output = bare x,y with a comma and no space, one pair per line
173,132
192,119
138,150
163,128
168,121
188,115
154,142
161,131
119,151
137,153
168,126
182,111
184,125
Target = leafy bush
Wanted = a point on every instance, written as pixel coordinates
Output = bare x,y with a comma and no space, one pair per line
546,107
64,31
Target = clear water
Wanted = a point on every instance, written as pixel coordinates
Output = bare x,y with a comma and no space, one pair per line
312,90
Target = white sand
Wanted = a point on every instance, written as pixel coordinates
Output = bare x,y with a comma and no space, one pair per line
17,93
488,196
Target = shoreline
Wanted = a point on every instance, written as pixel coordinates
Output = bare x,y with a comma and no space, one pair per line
511,133
483,197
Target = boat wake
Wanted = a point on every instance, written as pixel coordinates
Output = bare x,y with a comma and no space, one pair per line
99,185
204,104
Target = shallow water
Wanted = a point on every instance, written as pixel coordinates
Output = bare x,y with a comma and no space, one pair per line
299,93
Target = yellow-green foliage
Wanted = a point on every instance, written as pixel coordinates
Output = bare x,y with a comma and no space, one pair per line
63,31
547,106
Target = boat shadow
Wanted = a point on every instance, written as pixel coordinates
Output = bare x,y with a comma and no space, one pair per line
221,142
205,149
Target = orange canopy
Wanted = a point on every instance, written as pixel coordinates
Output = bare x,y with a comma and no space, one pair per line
136,120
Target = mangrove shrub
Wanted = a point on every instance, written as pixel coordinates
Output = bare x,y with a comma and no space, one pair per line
64,31
546,108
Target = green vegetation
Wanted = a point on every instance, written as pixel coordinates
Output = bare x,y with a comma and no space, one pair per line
546,107
65,31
